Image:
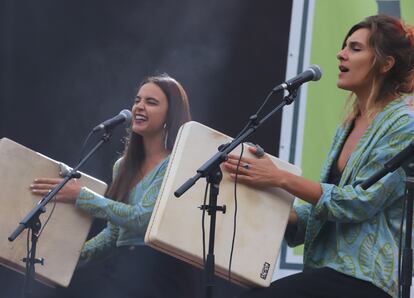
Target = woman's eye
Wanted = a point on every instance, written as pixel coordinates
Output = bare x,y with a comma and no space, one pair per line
356,48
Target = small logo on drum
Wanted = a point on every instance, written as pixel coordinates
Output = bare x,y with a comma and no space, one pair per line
265,270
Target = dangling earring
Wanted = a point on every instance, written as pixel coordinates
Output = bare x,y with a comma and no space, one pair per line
166,137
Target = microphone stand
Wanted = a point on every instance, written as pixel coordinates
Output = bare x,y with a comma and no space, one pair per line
212,172
32,221
404,159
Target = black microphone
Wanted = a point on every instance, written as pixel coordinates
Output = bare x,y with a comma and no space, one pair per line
123,116
313,73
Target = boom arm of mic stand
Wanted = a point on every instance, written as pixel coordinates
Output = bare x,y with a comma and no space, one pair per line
390,166
36,211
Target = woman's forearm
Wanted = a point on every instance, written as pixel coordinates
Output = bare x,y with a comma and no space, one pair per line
300,187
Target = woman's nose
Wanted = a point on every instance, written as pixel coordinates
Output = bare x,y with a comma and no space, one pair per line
140,105
341,55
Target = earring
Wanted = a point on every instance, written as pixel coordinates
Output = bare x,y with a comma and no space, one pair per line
166,136
166,140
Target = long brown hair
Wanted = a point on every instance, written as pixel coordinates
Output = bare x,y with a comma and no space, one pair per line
178,113
388,37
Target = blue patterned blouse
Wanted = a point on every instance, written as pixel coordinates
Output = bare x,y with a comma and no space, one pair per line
356,231
127,223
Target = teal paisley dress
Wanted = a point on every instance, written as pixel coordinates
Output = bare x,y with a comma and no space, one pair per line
356,231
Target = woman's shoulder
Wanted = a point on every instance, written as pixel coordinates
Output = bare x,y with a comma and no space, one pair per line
162,165
403,106
398,114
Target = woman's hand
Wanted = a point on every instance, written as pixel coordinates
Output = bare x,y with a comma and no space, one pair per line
68,194
257,172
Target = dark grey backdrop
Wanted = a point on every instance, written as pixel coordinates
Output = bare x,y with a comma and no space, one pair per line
67,65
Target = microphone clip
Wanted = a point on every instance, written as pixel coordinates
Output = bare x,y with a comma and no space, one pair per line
291,96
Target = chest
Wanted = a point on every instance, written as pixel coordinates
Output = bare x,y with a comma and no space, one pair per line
351,142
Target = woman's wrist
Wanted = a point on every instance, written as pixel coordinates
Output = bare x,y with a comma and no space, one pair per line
282,179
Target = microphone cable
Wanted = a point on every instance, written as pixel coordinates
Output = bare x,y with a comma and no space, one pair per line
203,228
235,212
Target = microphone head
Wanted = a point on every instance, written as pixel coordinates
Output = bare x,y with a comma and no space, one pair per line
126,114
317,72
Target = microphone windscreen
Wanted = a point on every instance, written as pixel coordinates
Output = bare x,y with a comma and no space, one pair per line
317,71
127,114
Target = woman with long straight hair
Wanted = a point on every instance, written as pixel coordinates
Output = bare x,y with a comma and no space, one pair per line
159,109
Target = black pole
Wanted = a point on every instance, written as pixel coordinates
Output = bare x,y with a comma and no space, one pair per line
407,257
212,208
31,260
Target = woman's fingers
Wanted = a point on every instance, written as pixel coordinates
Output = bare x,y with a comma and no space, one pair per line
42,186
41,189
242,169
234,159
47,180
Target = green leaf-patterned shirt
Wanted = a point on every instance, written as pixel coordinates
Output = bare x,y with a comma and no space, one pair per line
356,231
126,223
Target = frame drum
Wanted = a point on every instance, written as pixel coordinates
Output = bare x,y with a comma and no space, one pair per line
262,214
62,239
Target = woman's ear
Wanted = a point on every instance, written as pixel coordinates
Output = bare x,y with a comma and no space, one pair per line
389,63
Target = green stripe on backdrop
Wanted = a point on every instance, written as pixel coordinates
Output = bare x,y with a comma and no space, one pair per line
325,101
407,10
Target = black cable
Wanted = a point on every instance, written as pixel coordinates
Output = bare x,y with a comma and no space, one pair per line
265,102
84,145
235,212
254,117
48,218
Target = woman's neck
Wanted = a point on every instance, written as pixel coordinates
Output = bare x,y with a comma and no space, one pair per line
154,148
362,100
155,152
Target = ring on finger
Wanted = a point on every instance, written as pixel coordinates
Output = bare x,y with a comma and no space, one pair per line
246,166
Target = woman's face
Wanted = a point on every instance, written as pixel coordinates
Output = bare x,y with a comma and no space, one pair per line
149,111
356,63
